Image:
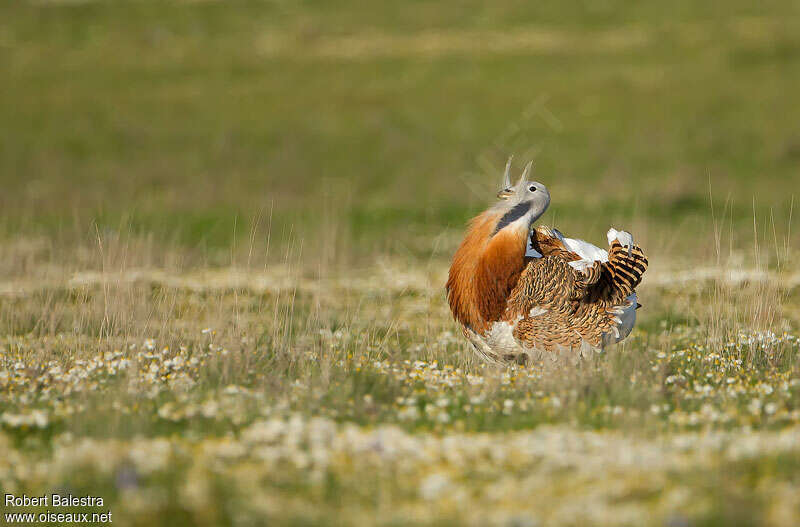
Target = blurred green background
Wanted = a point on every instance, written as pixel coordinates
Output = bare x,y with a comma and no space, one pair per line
381,127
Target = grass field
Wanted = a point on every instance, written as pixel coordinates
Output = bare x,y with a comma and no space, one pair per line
225,229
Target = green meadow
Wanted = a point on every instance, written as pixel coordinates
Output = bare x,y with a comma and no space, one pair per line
225,228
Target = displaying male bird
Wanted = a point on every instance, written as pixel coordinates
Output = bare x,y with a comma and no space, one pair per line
524,293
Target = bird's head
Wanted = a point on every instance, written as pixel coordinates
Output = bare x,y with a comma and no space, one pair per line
522,204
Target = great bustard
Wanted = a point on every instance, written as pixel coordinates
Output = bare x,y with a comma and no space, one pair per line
521,292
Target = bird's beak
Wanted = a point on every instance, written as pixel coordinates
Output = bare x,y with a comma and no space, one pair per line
505,193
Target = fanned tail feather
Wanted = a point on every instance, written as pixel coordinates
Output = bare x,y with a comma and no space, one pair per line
624,269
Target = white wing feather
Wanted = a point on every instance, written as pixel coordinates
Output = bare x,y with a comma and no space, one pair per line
588,252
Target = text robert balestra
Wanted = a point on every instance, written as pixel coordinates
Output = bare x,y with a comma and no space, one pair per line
53,500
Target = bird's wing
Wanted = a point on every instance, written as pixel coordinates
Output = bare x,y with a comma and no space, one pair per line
610,275
548,241
575,293
582,256
543,309
546,283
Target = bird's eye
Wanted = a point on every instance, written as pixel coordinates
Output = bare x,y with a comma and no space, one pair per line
532,188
